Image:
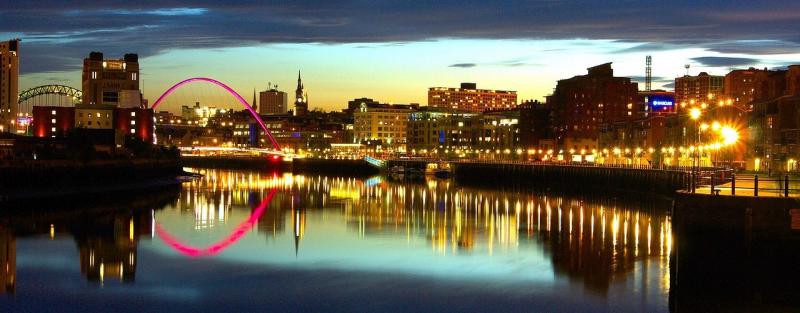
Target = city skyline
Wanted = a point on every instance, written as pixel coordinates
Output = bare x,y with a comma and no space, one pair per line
521,47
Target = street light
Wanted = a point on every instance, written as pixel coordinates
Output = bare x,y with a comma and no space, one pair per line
694,114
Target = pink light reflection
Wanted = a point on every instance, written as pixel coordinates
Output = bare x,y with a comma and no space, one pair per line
223,244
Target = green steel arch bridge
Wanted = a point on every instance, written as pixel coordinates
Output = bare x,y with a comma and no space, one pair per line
51,95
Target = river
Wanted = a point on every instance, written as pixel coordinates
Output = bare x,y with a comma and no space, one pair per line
260,241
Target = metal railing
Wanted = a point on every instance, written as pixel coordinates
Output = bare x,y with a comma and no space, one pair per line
718,183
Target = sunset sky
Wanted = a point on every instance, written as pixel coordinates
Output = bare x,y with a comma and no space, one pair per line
393,51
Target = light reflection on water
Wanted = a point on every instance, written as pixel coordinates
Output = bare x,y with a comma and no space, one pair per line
431,229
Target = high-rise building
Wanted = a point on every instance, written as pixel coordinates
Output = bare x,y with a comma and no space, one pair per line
740,86
582,103
469,98
9,83
272,101
300,98
113,82
703,88
535,125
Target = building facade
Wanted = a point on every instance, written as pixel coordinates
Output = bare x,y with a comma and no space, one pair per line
9,83
433,128
740,86
582,103
272,101
52,121
469,98
535,125
113,82
382,123
703,88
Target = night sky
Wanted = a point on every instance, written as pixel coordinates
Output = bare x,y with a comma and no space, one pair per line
393,50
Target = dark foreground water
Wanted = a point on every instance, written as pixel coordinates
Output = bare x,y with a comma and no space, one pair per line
250,241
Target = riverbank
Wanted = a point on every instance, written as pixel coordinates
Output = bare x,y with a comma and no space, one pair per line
39,180
664,182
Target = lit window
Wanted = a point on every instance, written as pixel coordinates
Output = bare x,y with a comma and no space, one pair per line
53,129
133,122
53,121
133,114
133,131
94,75
98,114
53,112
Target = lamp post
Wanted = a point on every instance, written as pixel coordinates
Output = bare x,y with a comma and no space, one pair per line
695,114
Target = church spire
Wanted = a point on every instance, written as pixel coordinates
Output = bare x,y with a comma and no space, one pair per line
254,104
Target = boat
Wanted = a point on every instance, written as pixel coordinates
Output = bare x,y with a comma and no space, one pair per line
439,170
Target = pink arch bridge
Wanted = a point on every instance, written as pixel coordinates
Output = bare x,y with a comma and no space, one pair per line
229,90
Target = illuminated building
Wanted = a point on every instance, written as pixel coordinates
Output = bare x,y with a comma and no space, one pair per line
582,103
272,101
740,86
496,130
431,128
199,115
113,82
52,121
94,116
647,131
384,123
691,90
300,98
774,124
9,83
136,122
536,125
355,104
469,98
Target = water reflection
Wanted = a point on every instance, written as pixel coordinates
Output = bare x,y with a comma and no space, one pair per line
435,228
106,231
592,239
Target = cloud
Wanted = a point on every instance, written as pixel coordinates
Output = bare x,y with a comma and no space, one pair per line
725,61
463,65
149,27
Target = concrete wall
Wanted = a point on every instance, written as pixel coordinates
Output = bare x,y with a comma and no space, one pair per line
649,180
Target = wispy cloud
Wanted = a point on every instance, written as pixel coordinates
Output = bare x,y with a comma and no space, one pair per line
215,24
726,61
463,65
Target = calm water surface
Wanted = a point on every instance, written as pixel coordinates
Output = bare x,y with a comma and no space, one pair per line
237,240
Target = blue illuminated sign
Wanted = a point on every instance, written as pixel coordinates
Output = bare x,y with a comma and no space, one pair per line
659,102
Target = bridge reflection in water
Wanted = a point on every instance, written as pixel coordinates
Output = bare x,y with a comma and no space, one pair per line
593,240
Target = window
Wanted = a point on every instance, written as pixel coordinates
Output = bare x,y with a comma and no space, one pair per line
133,122
94,75
53,112
53,129
133,130
53,121
110,96
133,76
98,114
133,114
